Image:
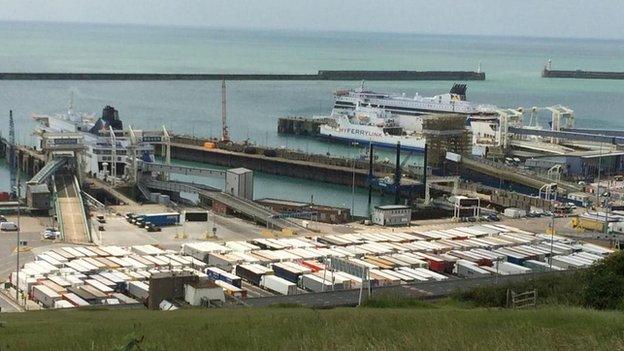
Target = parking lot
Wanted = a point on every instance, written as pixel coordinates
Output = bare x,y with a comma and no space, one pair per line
30,233
118,231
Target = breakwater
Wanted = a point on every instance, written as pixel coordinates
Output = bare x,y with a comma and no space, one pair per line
579,74
320,75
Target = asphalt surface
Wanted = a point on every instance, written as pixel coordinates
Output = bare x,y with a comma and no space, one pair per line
71,211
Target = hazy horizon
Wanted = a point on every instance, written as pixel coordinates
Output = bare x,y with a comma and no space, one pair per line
298,30
532,18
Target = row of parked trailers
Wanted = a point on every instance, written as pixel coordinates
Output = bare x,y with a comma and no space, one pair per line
288,266
87,275
394,258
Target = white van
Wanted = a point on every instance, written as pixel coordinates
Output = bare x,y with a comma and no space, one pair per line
8,226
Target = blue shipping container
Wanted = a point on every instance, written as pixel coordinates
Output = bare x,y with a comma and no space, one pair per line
286,274
215,275
162,219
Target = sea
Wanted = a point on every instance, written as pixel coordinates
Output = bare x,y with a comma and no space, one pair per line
512,65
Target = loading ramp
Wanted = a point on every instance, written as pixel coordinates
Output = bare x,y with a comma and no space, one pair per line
48,170
70,209
246,207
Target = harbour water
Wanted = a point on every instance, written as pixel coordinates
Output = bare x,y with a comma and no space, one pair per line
512,65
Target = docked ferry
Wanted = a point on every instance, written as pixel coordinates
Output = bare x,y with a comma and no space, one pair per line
370,126
452,102
103,151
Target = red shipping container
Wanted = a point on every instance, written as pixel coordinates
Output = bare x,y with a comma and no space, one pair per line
313,265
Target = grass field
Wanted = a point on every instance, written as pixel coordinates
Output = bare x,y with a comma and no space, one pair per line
420,327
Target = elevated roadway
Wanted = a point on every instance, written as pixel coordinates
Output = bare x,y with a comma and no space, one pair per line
570,135
245,207
71,212
99,184
516,175
47,171
185,170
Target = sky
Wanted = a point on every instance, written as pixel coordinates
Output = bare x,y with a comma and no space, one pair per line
532,18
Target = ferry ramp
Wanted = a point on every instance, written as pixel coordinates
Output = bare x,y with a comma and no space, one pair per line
48,170
70,209
513,174
245,207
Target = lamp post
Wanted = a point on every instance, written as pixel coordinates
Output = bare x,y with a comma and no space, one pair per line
552,230
354,144
17,259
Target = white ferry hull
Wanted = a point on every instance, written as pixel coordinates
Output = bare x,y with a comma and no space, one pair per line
350,135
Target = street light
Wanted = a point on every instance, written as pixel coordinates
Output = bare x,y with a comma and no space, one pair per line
552,230
354,144
17,260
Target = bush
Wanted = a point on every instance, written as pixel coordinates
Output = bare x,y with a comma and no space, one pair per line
604,283
601,286
561,289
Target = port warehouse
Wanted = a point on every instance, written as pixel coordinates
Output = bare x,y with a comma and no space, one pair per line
76,276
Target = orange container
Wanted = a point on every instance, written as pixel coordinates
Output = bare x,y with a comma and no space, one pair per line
210,145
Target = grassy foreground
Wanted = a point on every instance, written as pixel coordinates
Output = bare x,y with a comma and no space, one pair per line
418,328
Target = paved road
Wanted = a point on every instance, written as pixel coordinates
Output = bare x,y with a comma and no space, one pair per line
417,290
72,213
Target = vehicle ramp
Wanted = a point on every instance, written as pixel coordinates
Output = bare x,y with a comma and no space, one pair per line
48,170
70,209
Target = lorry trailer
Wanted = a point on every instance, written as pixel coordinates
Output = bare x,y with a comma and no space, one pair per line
160,219
278,285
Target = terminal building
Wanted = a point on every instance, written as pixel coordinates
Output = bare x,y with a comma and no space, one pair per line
392,215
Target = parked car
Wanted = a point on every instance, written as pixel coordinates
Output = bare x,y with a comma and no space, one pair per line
130,216
8,227
493,217
51,233
2,219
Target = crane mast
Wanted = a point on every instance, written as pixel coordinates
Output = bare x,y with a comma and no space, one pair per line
225,134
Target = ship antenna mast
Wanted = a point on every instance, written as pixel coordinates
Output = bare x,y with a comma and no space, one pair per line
225,134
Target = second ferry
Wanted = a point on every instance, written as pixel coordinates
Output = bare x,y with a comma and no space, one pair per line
370,126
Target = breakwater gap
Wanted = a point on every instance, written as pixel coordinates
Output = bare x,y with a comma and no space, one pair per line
323,75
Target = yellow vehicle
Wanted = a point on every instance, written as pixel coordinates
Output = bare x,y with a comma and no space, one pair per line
588,224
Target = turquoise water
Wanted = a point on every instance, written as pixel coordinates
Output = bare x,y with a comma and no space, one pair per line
512,65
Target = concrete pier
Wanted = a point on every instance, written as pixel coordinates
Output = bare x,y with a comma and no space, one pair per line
30,161
580,74
320,75
271,165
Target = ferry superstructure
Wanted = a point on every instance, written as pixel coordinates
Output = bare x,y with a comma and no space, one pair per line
452,102
106,144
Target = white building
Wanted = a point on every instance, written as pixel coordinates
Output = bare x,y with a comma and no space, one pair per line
389,215
206,289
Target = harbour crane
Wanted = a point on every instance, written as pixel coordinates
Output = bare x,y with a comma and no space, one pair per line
225,133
